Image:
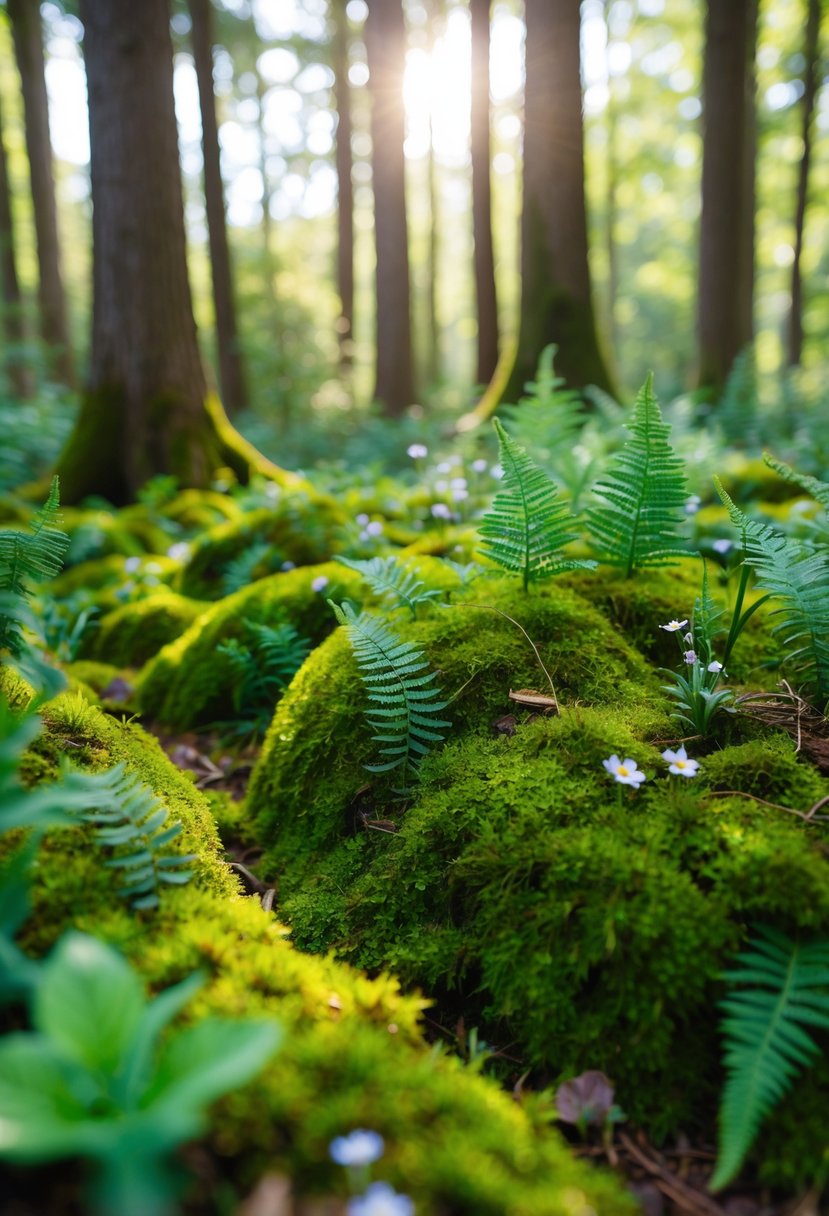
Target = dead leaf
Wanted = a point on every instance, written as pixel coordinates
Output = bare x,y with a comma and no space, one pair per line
535,700
586,1099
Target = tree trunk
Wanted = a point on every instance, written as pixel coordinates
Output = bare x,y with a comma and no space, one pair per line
556,302
386,49
28,46
434,361
146,410
611,204
231,368
726,259
345,185
20,377
485,294
810,74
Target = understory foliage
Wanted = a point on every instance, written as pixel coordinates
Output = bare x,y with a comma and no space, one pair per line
526,528
400,686
641,495
262,666
798,576
27,557
783,988
393,582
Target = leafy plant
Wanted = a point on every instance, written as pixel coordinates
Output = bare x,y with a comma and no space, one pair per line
642,496
526,528
819,490
400,686
262,667
697,698
737,408
94,1079
389,579
34,555
241,571
783,988
799,577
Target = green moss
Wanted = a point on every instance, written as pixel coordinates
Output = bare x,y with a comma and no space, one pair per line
195,510
131,634
106,574
91,674
187,684
301,528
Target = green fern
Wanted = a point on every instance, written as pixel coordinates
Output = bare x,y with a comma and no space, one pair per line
24,556
261,667
736,411
642,495
390,579
798,576
258,559
819,490
136,820
766,1043
527,527
403,700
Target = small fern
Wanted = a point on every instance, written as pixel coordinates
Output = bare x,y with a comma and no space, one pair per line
34,555
642,496
404,703
261,667
737,409
389,579
526,527
784,987
241,571
798,576
136,819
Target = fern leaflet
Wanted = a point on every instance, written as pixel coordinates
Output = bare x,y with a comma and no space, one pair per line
261,667
526,527
35,555
403,700
643,495
766,1044
799,576
390,579
819,490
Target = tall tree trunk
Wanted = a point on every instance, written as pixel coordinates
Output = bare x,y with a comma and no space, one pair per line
231,368
556,302
726,258
386,49
20,377
485,293
345,185
811,52
611,203
146,410
432,261
28,47
267,242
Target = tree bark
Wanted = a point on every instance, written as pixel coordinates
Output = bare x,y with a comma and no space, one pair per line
20,377
726,259
231,368
556,300
345,185
485,292
386,50
28,46
146,409
811,51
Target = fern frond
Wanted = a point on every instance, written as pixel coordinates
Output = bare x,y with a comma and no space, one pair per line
260,669
819,490
135,820
35,555
799,577
737,409
390,579
241,571
706,619
642,495
526,527
404,703
766,1045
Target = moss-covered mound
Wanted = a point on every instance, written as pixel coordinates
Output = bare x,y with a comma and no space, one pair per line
587,923
131,634
353,1053
109,577
189,684
298,529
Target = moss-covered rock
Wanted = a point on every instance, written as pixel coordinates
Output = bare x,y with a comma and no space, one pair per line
132,633
108,577
196,510
188,684
353,1053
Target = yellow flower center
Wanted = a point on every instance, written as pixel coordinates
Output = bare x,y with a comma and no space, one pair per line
679,763
622,771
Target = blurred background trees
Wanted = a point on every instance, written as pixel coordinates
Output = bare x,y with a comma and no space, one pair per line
380,198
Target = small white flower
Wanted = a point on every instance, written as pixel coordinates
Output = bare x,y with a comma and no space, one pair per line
362,519
693,504
445,466
459,495
380,1200
690,657
722,545
288,566
679,764
497,472
441,485
624,771
688,639
714,666
319,583
359,1148
441,511
479,466
417,451
180,551
458,483
674,626
375,528
132,564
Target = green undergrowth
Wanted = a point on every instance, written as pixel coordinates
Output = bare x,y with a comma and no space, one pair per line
130,634
353,1051
104,577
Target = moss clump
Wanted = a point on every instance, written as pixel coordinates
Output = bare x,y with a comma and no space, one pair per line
187,684
107,576
130,635
195,510
299,528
